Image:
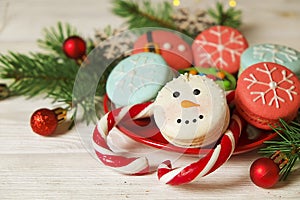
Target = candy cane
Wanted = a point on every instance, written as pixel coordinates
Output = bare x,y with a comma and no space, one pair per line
139,165
213,160
127,165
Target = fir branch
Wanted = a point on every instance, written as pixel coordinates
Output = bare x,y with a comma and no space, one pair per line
230,17
55,36
36,73
144,14
50,73
289,144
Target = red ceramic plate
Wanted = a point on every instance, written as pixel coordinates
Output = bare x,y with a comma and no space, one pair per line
145,131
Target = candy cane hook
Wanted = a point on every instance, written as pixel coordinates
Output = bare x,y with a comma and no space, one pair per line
126,165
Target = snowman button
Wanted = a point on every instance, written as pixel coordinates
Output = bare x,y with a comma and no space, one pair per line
167,46
181,48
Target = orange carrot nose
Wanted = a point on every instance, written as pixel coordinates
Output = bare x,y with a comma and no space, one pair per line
188,104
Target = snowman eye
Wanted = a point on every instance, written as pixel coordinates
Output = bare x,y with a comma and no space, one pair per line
196,92
176,94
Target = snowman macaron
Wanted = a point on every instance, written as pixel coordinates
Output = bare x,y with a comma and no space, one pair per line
191,111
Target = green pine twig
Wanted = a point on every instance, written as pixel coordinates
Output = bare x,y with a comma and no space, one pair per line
55,36
143,14
289,144
35,73
50,73
230,17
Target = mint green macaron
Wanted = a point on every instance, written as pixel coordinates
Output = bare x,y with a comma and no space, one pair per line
283,55
137,79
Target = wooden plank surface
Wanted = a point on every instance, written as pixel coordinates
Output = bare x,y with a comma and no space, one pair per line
59,167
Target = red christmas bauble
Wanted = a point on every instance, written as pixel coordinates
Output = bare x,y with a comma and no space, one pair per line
74,47
264,172
44,121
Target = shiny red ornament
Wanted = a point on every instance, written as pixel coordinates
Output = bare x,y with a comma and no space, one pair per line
74,47
45,121
264,172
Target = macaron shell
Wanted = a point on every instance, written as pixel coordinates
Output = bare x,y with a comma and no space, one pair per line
138,79
219,46
279,54
192,130
176,52
266,92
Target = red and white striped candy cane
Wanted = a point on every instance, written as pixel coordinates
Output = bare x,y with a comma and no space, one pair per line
139,165
213,160
127,165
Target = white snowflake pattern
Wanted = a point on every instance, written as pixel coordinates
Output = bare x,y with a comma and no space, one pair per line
117,45
273,86
220,46
130,81
275,53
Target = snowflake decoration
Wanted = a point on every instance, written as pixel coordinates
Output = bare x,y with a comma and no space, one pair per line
273,86
275,53
220,47
120,43
193,22
130,81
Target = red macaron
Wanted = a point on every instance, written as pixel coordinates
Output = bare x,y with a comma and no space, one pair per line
221,47
176,51
267,92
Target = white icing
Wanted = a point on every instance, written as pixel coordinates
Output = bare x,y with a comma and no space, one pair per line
181,47
133,78
167,46
201,115
278,54
220,47
272,85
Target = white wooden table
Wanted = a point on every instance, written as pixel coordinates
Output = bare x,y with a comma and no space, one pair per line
34,167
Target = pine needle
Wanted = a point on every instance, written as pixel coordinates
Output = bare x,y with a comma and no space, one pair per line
230,17
50,73
144,14
289,144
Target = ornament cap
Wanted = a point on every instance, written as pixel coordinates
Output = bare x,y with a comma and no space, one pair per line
279,158
4,91
61,114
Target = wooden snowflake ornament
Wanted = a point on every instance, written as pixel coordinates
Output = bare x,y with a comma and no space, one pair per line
193,22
